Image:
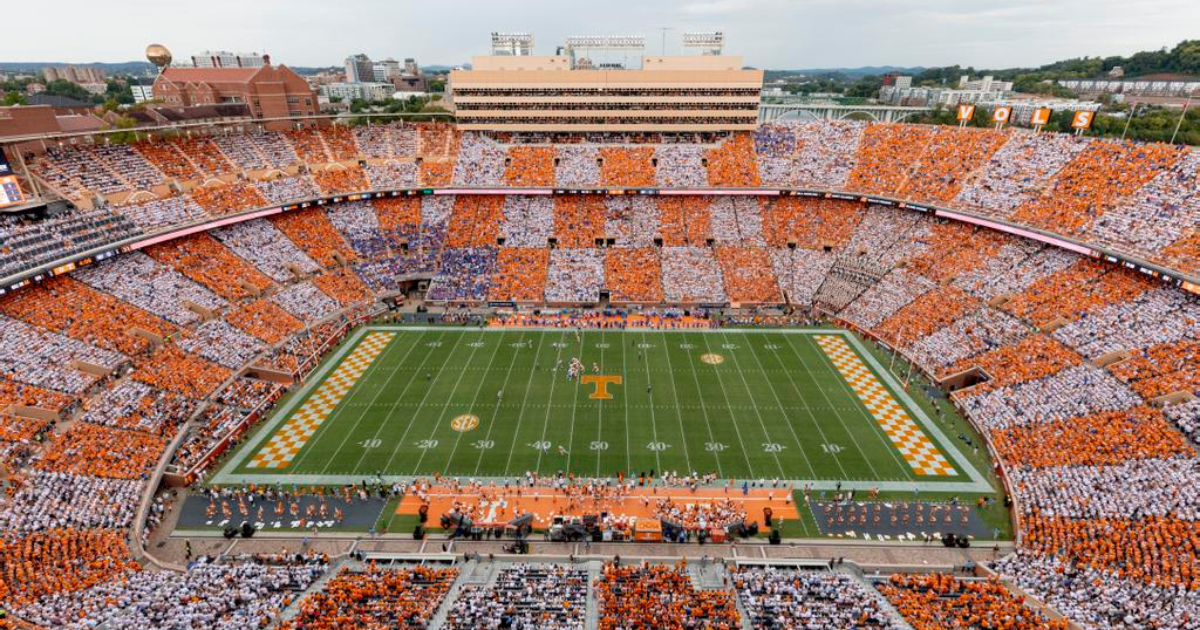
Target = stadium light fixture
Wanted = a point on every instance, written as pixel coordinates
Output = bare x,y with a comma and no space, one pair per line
514,44
606,42
712,43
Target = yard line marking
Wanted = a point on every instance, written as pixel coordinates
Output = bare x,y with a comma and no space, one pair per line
860,412
396,402
779,403
918,450
517,431
703,409
653,422
734,422
600,407
496,407
428,388
366,411
841,419
546,421
757,412
575,397
442,415
629,394
288,440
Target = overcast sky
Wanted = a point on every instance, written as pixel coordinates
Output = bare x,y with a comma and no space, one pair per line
768,33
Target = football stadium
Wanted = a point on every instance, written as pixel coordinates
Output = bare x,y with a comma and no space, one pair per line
594,345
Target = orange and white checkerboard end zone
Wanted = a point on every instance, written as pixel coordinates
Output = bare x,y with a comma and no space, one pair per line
283,447
917,449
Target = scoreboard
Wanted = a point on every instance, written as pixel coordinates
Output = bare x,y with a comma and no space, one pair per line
10,191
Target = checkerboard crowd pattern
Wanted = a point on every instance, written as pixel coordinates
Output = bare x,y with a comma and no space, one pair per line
918,450
289,439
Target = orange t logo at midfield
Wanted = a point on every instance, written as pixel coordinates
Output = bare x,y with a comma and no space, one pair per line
600,392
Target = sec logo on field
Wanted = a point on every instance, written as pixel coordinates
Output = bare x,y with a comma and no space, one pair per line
464,423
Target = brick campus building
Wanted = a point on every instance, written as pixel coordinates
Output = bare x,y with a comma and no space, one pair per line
269,91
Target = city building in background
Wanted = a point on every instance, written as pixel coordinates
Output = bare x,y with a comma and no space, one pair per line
405,78
359,69
899,90
386,70
1164,89
142,92
411,80
75,74
372,91
1151,85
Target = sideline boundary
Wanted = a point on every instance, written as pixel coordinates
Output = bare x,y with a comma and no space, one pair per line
977,484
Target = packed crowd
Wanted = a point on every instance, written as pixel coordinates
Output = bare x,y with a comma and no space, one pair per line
335,180
1070,433
201,258
938,600
152,215
575,275
313,233
48,360
140,281
221,597
228,198
1097,597
28,243
171,162
645,597
376,598
778,598
1090,184
549,597
262,244
1137,198
137,406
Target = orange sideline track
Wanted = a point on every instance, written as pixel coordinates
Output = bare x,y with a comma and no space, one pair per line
546,502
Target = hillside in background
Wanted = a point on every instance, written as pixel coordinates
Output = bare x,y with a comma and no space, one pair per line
126,67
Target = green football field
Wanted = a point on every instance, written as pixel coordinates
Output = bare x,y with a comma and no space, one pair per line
401,402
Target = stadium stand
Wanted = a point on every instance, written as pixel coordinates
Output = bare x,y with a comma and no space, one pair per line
395,598
775,598
224,597
930,602
1079,362
156,214
525,596
202,258
231,198
657,596
28,243
520,275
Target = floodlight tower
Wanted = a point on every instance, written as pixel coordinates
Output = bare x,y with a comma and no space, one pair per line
601,42
512,44
710,43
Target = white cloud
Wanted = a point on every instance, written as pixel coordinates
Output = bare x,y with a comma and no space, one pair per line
716,7
767,33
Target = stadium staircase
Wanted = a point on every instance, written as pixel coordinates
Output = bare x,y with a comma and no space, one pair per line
856,573
317,586
710,576
846,280
470,573
592,618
